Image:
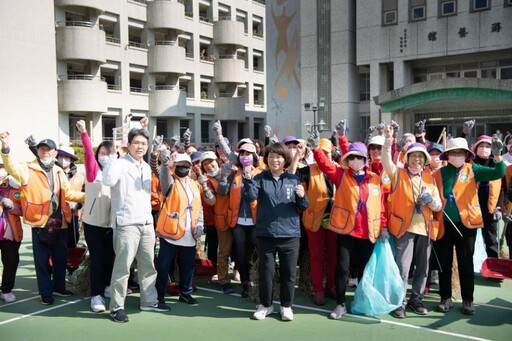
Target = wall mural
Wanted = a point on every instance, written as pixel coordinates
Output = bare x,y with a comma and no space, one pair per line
283,67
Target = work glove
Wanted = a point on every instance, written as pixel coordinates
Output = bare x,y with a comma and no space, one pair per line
425,196
186,137
314,139
419,127
468,126
31,141
384,234
267,129
7,203
157,141
401,143
371,129
497,215
174,140
380,128
273,139
202,179
198,232
217,127
496,145
395,126
341,127
165,156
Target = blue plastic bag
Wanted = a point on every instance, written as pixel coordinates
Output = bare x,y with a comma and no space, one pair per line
381,289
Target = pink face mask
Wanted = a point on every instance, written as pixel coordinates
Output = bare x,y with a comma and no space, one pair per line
483,152
457,161
356,164
246,160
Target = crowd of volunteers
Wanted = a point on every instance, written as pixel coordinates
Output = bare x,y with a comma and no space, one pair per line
147,205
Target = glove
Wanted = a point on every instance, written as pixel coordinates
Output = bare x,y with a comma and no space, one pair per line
174,140
31,141
341,127
384,234
371,129
217,127
419,127
314,139
202,179
7,203
165,155
401,143
395,126
497,215
425,196
157,141
198,232
267,130
274,139
467,126
496,145
186,137
380,128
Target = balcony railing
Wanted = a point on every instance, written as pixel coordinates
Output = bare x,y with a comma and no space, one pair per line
226,95
204,19
136,44
167,87
229,18
112,39
87,24
165,42
81,77
258,69
138,90
230,56
114,87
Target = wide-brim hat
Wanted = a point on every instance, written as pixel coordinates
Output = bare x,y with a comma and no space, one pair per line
182,157
47,142
326,145
456,143
290,138
435,146
481,139
356,148
67,151
418,147
209,155
244,141
377,140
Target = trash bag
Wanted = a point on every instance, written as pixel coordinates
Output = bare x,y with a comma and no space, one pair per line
381,289
480,255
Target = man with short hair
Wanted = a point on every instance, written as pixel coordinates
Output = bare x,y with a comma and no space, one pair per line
134,235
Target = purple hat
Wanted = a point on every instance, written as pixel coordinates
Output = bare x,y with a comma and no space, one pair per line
417,147
356,148
290,138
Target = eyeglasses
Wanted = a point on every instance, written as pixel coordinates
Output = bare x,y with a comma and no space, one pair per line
375,147
352,157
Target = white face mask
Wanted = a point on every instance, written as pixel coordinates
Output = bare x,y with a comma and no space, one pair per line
214,173
483,152
356,164
103,161
64,162
47,162
434,160
457,161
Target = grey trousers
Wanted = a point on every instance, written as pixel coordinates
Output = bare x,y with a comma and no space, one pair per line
408,248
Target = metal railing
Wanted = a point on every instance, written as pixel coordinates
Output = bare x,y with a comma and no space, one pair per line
230,56
113,39
189,55
258,69
204,19
114,87
166,87
229,18
258,34
81,77
166,42
227,95
138,90
136,44
87,24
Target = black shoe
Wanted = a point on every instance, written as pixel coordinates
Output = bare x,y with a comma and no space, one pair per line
444,305
467,307
417,307
246,289
399,312
226,288
160,306
119,316
46,300
187,299
63,293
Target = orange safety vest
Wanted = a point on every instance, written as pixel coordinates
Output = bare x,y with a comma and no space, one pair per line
494,194
76,183
235,196
156,193
507,206
466,198
208,215
36,196
344,210
171,221
402,205
318,199
220,209
11,219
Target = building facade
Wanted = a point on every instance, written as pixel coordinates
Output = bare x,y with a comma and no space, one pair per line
182,63
445,61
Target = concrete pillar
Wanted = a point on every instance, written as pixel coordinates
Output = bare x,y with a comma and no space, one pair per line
375,90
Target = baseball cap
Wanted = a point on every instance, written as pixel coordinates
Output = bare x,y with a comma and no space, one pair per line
47,142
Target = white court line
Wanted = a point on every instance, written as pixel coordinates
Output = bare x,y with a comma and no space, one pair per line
40,311
373,319
18,301
493,306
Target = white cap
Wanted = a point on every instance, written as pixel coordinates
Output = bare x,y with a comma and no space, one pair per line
182,157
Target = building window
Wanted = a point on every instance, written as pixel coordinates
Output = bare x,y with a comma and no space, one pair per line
417,10
389,12
508,3
364,123
480,5
364,84
447,8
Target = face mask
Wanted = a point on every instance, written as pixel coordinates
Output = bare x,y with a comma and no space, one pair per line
246,160
483,152
47,162
103,161
181,171
293,152
64,162
356,164
214,173
434,160
457,161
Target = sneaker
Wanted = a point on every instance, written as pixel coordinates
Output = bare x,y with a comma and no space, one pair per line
226,288
214,279
467,307
286,313
417,307
63,293
319,298
434,277
119,316
262,312
236,275
445,305
98,304
106,292
246,289
187,299
353,282
399,313
46,300
8,297
338,312
159,306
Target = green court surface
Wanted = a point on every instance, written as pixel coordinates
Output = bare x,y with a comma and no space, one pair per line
227,317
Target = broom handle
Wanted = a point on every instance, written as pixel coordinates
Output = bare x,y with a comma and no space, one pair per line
443,134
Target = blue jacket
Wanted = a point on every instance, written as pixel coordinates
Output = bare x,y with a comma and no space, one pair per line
278,206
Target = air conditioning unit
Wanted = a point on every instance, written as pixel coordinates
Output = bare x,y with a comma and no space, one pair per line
390,17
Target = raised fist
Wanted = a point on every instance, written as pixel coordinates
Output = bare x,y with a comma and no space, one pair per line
217,128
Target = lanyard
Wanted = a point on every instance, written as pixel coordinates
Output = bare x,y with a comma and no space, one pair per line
415,197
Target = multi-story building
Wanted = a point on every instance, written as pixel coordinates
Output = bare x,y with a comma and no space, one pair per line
182,63
370,61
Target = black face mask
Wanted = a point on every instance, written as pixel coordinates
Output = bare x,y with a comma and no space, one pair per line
181,171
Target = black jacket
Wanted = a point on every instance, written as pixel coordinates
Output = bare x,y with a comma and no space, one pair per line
278,205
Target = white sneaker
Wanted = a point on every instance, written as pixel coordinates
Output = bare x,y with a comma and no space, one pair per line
286,313
262,312
353,282
97,304
8,297
338,312
106,292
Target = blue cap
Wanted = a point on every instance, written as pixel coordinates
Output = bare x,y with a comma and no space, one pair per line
436,146
196,156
